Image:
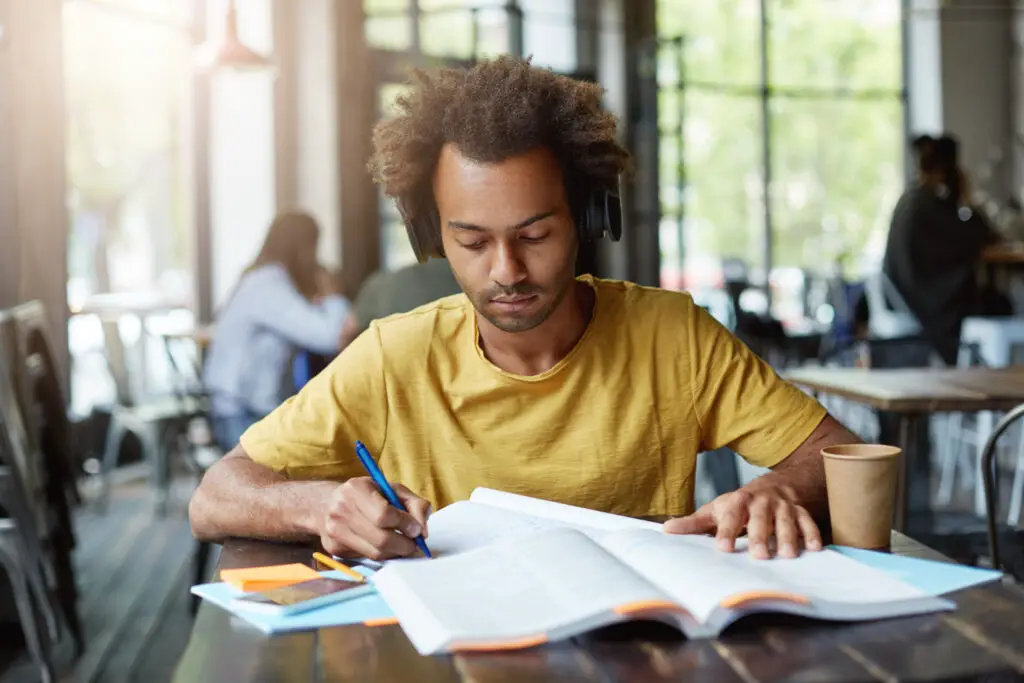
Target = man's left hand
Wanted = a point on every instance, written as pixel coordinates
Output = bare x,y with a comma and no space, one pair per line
762,511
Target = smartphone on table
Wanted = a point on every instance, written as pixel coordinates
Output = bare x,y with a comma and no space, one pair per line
300,597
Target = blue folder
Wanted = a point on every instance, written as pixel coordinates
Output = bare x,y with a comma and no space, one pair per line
934,578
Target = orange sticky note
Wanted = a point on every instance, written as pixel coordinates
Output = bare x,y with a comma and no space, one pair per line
252,579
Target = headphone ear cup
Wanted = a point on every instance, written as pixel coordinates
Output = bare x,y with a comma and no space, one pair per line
424,234
588,218
602,215
434,233
613,215
414,231
595,218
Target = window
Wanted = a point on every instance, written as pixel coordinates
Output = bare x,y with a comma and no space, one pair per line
815,129
127,74
127,67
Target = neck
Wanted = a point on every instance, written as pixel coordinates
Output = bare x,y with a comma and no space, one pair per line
538,350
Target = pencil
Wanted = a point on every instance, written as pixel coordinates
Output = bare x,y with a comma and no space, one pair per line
334,564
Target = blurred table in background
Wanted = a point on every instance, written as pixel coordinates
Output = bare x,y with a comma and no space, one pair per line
914,394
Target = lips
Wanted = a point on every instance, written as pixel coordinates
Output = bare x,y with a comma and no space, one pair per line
514,303
513,300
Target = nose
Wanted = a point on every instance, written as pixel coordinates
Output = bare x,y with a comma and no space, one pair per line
507,268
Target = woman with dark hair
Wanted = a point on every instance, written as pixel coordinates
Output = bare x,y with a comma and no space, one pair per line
283,303
935,240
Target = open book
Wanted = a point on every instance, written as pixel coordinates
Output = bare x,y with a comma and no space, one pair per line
515,572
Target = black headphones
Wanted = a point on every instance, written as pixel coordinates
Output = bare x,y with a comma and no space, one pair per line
596,212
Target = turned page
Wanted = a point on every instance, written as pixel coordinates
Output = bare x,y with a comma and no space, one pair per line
701,578
569,515
490,516
510,591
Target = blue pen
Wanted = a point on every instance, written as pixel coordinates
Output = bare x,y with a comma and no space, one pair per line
385,488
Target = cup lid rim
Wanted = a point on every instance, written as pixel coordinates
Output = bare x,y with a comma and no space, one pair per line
874,452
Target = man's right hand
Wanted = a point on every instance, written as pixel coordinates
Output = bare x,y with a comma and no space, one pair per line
360,522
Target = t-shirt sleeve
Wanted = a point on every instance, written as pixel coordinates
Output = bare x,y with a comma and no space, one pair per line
312,435
740,401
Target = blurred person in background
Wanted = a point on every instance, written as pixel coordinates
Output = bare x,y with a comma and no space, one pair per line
388,292
283,304
935,240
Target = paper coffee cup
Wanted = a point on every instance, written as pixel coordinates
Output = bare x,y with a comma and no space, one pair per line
861,481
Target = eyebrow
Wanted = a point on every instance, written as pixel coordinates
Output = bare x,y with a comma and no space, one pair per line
518,226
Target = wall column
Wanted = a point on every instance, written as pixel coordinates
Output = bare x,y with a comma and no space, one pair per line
33,210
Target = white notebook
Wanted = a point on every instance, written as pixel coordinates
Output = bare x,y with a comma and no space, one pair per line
514,572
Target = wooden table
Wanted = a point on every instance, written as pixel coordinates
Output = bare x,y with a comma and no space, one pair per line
982,641
913,394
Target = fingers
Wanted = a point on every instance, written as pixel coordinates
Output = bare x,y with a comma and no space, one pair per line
383,543
808,529
700,522
375,508
787,534
360,521
765,514
417,507
760,526
340,540
732,516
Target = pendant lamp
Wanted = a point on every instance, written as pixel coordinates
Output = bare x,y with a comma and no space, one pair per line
229,52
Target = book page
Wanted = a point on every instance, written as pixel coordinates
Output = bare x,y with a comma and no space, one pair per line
570,515
467,525
689,568
700,577
490,516
510,591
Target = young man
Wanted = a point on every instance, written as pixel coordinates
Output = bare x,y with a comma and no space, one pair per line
583,391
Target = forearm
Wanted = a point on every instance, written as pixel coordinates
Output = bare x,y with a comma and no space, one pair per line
239,497
805,480
803,472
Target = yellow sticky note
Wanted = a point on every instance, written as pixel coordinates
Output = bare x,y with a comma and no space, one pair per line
252,579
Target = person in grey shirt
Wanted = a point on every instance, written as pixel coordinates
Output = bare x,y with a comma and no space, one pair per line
284,303
388,292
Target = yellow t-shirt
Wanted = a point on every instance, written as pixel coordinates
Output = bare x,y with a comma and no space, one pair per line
615,426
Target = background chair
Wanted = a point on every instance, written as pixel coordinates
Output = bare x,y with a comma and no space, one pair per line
995,342
161,423
27,550
35,408
889,316
1001,538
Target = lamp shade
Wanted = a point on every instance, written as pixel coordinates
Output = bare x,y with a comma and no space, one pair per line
229,52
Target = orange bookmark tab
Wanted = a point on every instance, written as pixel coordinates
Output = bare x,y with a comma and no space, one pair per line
519,644
253,579
740,599
643,606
